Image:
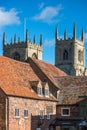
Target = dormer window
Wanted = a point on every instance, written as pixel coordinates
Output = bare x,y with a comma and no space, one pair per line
58,92
39,91
46,92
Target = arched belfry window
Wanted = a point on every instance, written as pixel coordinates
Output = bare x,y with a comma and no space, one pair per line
65,55
34,55
16,56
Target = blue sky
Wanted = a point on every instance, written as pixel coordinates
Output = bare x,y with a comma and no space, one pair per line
42,16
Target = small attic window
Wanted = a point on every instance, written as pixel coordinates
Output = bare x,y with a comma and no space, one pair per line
39,91
58,92
46,92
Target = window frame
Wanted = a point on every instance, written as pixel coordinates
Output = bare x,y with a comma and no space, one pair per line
48,115
39,91
26,114
41,114
17,112
65,109
46,92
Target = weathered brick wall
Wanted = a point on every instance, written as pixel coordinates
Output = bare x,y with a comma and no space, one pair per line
33,121
2,111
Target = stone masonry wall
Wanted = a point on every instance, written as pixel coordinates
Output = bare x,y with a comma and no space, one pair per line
33,120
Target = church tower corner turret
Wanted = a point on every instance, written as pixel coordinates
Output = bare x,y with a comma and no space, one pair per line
82,36
56,34
41,42
65,35
74,32
27,37
4,38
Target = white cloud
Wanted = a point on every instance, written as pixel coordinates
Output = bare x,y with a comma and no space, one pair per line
50,42
85,37
48,14
8,17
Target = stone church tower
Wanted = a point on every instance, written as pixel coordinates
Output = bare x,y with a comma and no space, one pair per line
22,50
70,53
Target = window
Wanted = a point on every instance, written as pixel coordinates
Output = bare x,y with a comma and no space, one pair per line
34,55
16,56
39,91
38,128
46,92
65,111
17,112
25,112
48,115
41,114
58,92
65,55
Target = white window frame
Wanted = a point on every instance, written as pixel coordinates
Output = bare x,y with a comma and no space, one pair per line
65,109
41,114
39,91
17,112
38,128
46,92
25,114
58,92
48,115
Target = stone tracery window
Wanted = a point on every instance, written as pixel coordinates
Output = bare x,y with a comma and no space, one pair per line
34,55
16,56
65,55
80,55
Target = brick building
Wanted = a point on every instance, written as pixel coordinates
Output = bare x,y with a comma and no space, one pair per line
71,110
28,94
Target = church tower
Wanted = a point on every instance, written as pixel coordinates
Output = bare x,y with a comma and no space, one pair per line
70,53
19,50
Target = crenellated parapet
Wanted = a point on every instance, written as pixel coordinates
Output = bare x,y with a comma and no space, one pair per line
23,48
59,40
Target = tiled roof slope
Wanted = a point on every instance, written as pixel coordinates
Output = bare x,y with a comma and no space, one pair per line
49,70
72,88
15,76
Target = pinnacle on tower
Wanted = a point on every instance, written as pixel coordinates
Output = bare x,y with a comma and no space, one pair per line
34,39
82,37
74,32
4,38
26,35
11,41
65,35
18,39
56,33
41,40
14,38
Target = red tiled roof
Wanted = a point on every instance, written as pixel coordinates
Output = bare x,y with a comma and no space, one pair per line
49,70
15,76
